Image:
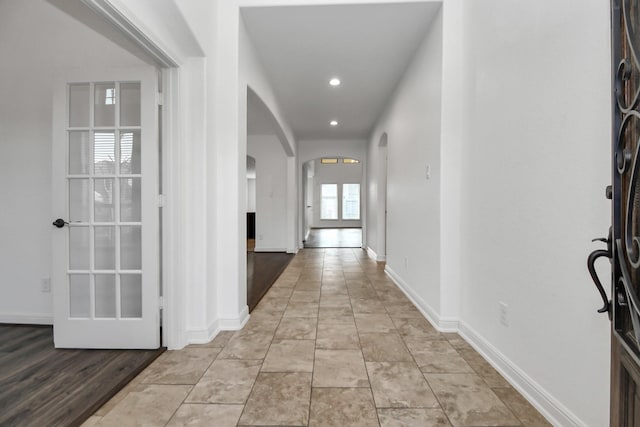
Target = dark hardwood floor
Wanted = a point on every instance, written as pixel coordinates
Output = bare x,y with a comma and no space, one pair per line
263,268
334,238
44,386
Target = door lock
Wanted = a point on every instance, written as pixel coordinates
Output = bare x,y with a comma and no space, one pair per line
59,222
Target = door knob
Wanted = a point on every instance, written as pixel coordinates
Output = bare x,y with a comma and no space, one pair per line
60,222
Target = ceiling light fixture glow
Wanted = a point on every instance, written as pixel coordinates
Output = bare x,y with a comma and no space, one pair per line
333,123
334,81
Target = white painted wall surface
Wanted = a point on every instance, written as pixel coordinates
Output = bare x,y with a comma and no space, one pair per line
412,124
251,192
270,192
45,40
335,174
535,164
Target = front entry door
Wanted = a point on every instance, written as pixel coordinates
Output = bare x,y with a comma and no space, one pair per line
105,210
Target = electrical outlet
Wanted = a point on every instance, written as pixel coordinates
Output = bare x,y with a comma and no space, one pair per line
406,263
260,237
45,284
504,311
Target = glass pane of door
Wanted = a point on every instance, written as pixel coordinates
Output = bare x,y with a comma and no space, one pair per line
104,183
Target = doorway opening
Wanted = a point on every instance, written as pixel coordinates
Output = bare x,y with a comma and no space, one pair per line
332,197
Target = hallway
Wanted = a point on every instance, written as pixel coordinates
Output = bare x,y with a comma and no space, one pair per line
333,343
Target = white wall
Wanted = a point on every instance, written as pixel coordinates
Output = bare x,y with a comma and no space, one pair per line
535,165
270,192
45,40
251,194
335,174
411,122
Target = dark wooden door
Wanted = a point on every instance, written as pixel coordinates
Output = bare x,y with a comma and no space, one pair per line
624,239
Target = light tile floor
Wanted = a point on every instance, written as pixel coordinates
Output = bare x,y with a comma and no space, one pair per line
333,343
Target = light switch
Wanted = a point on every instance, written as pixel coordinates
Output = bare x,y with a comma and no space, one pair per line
428,172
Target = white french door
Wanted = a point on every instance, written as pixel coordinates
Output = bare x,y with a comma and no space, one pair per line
105,207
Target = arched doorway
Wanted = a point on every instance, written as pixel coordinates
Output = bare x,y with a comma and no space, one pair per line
332,199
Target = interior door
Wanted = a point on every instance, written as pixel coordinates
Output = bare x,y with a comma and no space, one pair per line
105,210
624,243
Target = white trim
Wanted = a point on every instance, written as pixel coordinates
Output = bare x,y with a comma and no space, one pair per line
256,249
293,251
552,409
373,255
237,323
138,34
27,319
204,336
441,324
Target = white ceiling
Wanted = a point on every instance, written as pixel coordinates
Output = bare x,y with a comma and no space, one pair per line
367,46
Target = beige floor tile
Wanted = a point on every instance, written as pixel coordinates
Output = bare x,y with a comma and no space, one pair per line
308,285
219,341
411,417
336,315
226,381
278,293
301,309
468,401
436,356
337,336
91,421
367,306
111,403
339,368
526,413
399,385
374,323
384,348
184,366
297,328
483,368
147,405
351,407
206,415
335,300
364,293
402,310
305,296
247,346
279,399
416,327
290,356
276,305
457,341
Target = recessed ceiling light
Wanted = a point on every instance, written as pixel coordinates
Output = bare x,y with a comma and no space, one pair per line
334,81
333,123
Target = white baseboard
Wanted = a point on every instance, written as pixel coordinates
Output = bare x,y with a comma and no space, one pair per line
293,251
373,255
204,336
441,324
26,319
555,412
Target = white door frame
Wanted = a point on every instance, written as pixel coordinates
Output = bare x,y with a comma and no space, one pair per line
173,307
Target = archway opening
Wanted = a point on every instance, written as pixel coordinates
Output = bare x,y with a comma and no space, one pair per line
332,197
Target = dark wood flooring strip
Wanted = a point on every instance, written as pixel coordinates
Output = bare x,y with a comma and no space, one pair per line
43,386
263,269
